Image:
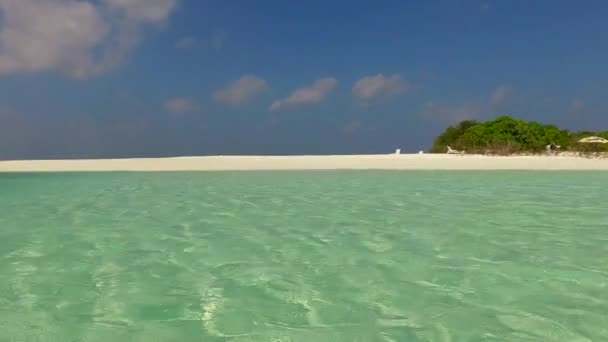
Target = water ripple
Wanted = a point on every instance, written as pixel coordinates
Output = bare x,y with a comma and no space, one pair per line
304,256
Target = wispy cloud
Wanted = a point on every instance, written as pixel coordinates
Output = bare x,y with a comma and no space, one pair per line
218,38
489,105
181,105
577,106
500,95
451,114
241,91
14,130
139,10
186,43
379,87
352,127
312,94
215,41
75,38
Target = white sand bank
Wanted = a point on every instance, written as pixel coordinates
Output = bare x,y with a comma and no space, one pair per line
352,162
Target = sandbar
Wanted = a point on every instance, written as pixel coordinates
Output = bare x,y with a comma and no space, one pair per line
330,162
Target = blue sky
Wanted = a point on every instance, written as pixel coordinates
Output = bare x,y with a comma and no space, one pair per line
117,78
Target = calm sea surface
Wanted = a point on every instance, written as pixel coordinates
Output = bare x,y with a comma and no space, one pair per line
304,256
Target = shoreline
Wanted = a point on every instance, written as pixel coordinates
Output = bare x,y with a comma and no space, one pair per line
329,162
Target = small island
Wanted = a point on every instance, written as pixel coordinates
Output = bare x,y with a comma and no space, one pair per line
501,144
509,136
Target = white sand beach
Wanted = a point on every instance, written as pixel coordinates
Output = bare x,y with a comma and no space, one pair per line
338,162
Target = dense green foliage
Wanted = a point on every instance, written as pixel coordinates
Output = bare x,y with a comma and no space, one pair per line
451,136
506,135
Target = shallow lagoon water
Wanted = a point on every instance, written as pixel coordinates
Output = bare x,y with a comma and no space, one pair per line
304,256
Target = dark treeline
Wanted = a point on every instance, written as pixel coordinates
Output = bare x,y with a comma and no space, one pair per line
506,135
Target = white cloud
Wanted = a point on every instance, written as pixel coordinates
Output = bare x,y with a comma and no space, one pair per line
377,87
241,91
181,105
78,38
186,43
308,95
142,10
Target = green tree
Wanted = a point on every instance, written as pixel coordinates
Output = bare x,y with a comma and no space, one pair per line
451,136
504,135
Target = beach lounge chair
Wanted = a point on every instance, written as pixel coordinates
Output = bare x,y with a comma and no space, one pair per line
453,151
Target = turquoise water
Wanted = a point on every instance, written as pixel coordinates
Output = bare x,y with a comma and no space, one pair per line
304,256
